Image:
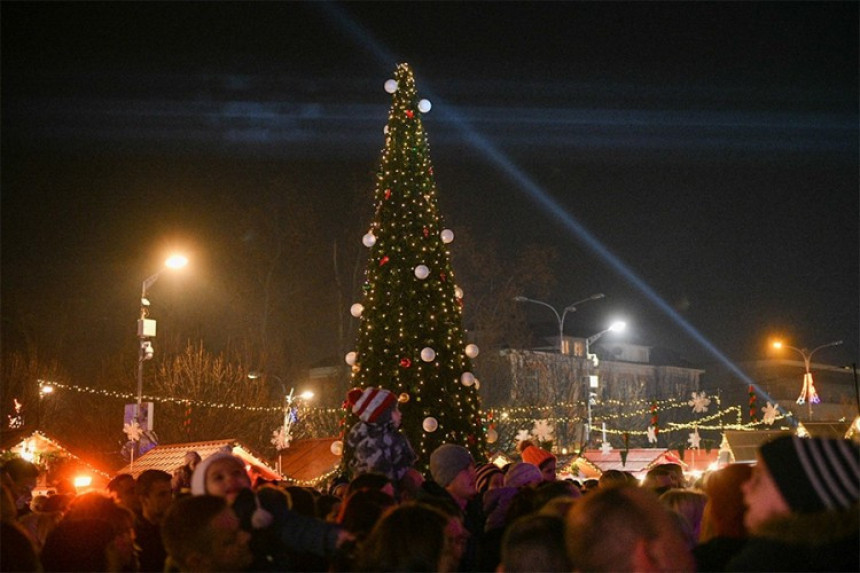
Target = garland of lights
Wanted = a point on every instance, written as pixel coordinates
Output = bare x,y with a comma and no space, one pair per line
503,416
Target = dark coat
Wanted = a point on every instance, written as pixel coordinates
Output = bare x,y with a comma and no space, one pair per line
825,541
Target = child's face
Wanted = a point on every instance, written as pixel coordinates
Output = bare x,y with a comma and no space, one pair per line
226,478
396,417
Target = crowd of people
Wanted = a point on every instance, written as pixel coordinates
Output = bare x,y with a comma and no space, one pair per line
796,509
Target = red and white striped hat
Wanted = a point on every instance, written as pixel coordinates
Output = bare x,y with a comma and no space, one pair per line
371,403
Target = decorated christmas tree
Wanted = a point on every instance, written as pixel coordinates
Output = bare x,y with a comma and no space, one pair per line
410,339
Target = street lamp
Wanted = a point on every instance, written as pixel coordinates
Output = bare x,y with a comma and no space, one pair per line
807,393
282,438
146,329
589,359
560,317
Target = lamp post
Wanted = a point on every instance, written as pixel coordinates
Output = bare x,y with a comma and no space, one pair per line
146,330
807,393
560,317
614,327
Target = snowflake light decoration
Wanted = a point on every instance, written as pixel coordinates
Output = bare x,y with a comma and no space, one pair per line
542,430
606,447
700,402
133,431
652,435
523,435
769,413
281,438
694,439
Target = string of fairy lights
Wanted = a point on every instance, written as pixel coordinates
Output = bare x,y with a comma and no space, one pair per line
513,416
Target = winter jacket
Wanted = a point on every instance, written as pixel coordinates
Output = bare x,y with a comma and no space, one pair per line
496,504
825,541
379,448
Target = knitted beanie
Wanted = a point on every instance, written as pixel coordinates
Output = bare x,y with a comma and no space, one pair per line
521,474
372,405
536,456
447,461
483,475
814,474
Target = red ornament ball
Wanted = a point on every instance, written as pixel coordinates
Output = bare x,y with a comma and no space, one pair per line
405,363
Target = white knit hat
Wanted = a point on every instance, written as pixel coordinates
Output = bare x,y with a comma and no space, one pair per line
198,478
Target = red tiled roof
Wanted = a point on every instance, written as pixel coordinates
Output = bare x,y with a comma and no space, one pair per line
168,457
307,462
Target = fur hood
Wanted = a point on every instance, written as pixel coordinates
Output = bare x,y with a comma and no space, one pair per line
812,528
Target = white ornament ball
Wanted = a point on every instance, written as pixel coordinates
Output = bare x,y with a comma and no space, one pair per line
447,236
350,358
337,447
467,378
428,354
422,272
472,350
458,292
368,240
385,130
356,310
391,86
424,105
430,424
477,384
492,436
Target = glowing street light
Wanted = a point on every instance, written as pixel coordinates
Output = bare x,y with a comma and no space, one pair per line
560,317
808,394
146,330
617,326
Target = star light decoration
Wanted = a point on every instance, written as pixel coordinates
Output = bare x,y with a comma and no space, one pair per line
652,435
523,435
769,413
700,402
133,431
694,440
281,438
543,430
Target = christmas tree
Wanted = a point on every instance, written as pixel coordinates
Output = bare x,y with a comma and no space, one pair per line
411,338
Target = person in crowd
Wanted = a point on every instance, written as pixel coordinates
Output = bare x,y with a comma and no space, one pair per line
359,514
155,492
625,528
802,510
487,477
497,502
410,537
659,479
534,543
409,486
181,479
690,505
549,490
452,469
339,486
376,442
544,460
302,500
589,485
19,553
85,544
38,524
723,531
95,505
202,533
328,507
370,480
123,489
615,477
276,531
20,477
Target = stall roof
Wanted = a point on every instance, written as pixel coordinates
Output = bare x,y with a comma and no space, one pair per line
38,447
168,457
309,462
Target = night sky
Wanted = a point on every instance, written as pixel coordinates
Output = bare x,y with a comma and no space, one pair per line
696,162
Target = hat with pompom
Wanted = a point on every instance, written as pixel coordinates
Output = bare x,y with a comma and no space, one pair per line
371,405
483,475
533,454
